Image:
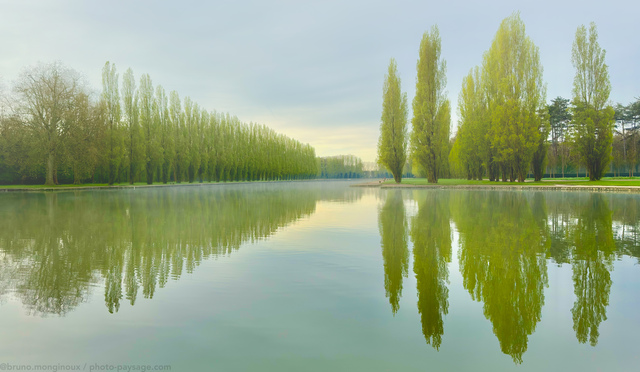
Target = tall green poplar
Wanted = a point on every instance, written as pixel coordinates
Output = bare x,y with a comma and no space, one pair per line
430,123
113,113
153,152
593,118
515,92
392,144
135,144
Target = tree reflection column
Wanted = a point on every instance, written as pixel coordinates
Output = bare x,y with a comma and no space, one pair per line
502,263
592,263
392,223
431,237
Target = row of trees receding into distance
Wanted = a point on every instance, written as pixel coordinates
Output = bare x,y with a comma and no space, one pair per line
506,130
133,133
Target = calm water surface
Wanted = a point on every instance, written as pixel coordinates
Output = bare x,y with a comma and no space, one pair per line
318,276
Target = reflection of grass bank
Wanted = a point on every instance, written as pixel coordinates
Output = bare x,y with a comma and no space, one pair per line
606,184
544,182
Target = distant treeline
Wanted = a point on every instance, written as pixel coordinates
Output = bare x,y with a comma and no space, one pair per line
54,131
341,166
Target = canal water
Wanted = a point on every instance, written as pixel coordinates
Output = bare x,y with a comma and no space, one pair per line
320,276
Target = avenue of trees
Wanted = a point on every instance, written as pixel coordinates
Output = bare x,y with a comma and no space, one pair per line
506,129
53,129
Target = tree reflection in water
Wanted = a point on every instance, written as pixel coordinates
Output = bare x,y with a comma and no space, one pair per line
392,223
55,247
592,262
431,237
505,241
502,262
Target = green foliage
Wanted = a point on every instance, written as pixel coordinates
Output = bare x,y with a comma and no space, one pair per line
340,166
110,99
592,118
512,76
431,108
135,141
392,144
86,141
150,128
539,160
559,119
143,136
46,95
502,126
592,135
471,150
166,139
625,143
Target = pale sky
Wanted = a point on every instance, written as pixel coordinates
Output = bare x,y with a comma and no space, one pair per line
311,70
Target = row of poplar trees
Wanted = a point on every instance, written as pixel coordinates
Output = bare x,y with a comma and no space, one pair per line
431,115
134,133
504,122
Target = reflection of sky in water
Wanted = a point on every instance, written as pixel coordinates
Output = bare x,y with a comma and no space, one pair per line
303,286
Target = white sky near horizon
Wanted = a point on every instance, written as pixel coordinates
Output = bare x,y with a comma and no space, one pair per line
312,70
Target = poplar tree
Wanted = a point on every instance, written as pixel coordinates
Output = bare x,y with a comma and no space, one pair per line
176,118
163,123
130,98
430,121
148,125
111,101
392,144
472,147
593,118
513,86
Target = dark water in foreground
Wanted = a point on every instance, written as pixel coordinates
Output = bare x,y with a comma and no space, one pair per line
319,276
